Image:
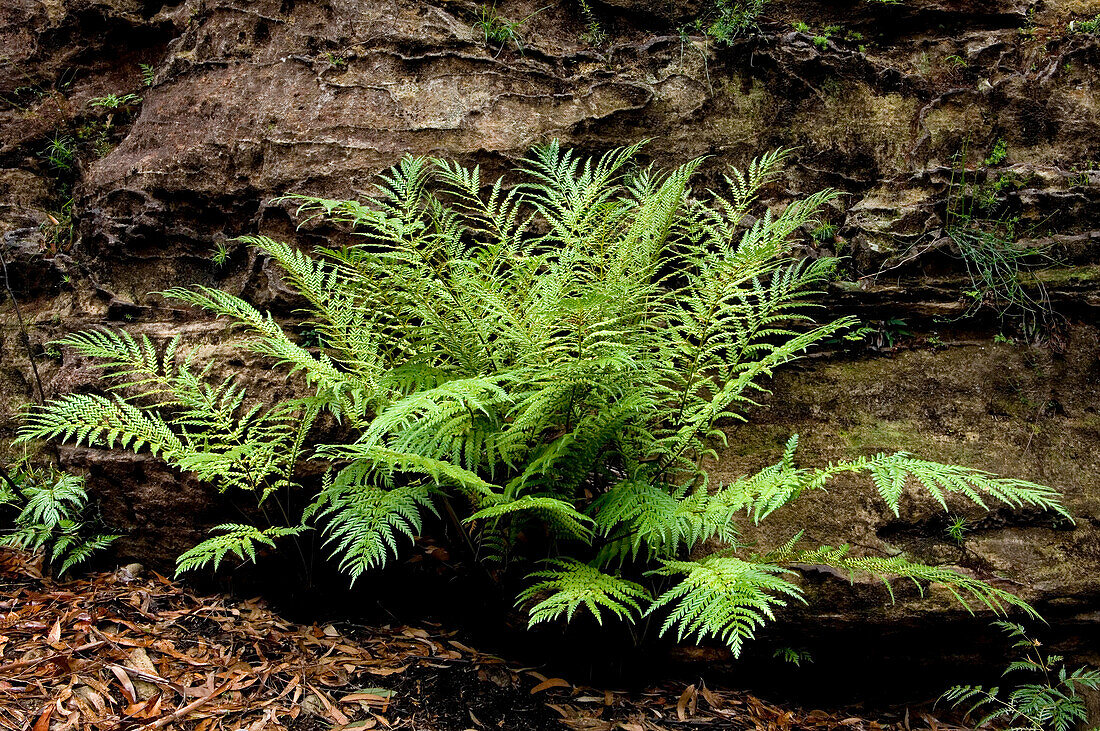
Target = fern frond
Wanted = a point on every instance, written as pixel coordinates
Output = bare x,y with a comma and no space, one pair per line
390,461
961,587
891,474
722,597
50,504
639,515
557,513
236,539
570,584
83,549
362,522
100,422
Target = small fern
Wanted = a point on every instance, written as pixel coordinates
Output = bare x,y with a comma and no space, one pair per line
723,597
1052,703
51,517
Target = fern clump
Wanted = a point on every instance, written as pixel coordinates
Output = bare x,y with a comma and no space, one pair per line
49,514
1051,702
545,364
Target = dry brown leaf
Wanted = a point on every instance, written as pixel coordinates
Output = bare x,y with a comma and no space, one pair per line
386,671
124,680
43,722
551,683
54,637
686,705
331,710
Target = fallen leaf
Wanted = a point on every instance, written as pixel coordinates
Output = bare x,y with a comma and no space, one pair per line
43,722
124,681
54,637
550,683
686,705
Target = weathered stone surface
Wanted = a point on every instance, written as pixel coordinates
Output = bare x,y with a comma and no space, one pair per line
253,99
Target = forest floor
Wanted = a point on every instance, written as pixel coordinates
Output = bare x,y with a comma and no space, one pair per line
133,650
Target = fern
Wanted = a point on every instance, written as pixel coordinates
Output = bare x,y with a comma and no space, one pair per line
722,597
51,517
234,538
549,363
1052,703
967,590
363,521
570,584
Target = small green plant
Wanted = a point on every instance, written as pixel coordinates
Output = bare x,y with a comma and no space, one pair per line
793,656
824,232
594,32
924,64
148,74
1051,703
1000,269
732,18
879,334
336,62
545,365
801,26
998,154
58,229
96,135
49,510
1090,26
956,529
60,152
220,255
955,62
821,40
1001,338
497,29
114,101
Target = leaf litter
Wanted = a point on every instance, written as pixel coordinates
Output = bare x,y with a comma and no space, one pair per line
135,651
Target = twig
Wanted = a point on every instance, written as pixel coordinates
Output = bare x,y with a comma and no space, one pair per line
194,705
23,329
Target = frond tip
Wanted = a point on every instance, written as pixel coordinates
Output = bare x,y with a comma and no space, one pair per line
571,584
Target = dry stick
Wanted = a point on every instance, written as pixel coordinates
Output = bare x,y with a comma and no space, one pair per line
14,485
23,330
194,705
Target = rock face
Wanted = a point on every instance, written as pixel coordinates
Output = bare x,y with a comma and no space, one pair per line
243,101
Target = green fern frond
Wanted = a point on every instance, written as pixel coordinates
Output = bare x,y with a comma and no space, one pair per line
236,539
362,522
961,587
570,584
48,505
100,422
891,474
637,515
557,513
389,461
722,597
83,549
